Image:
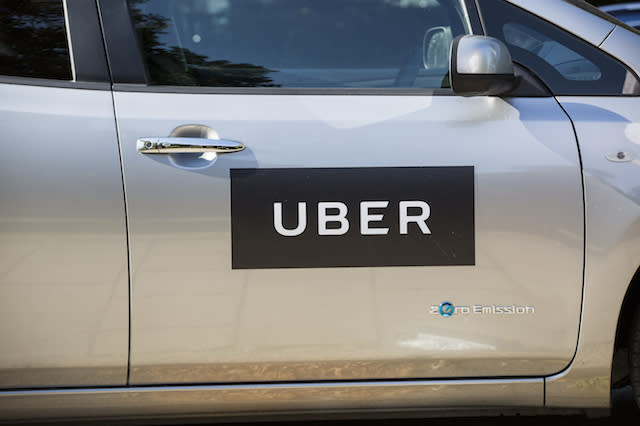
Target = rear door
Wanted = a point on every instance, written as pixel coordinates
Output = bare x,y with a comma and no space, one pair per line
358,221
64,298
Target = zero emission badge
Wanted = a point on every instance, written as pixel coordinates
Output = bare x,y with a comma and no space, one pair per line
346,217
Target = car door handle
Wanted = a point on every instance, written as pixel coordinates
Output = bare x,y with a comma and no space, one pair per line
187,145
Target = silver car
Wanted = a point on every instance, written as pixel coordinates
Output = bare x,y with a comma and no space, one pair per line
221,208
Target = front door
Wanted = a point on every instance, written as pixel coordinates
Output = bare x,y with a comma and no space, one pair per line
374,226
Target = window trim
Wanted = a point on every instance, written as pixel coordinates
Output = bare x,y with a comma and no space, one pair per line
128,72
50,82
65,11
330,91
88,58
124,56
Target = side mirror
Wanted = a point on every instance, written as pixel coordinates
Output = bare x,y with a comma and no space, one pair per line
481,66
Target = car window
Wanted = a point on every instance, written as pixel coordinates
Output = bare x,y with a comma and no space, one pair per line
298,43
568,65
33,39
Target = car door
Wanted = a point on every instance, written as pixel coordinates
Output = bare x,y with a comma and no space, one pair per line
63,249
308,200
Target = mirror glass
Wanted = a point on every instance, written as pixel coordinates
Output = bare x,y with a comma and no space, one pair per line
436,48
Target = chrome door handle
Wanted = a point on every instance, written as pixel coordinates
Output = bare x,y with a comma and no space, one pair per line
187,145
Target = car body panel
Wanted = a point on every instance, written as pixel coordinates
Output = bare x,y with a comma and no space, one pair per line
605,126
623,45
194,319
63,271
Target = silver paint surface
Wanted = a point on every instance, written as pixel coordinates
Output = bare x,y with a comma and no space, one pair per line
63,267
612,193
623,44
195,320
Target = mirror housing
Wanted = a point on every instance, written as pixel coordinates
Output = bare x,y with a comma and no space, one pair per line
481,66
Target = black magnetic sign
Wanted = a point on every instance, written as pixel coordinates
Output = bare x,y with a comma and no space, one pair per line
349,217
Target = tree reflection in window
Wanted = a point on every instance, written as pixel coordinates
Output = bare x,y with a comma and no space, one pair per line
297,43
176,65
33,41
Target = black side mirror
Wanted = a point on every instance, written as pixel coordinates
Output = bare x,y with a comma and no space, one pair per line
481,66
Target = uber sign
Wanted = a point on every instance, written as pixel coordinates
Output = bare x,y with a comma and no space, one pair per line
340,217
